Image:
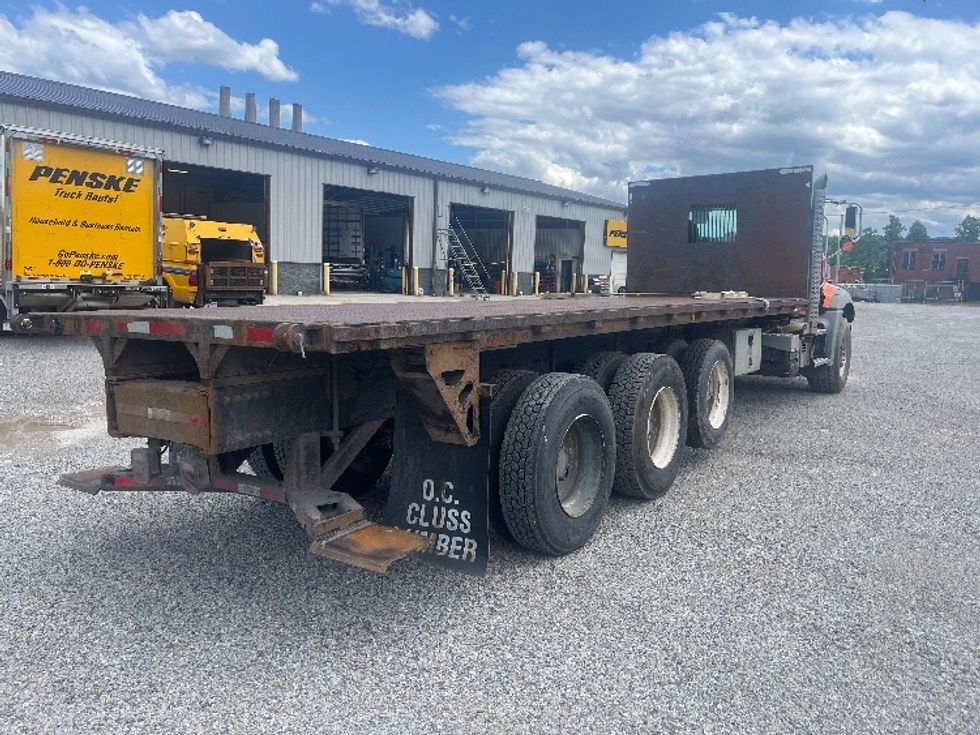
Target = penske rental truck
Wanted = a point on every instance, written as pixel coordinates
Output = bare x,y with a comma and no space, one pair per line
521,414
81,224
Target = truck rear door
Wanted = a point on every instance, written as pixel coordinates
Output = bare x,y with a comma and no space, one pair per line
81,213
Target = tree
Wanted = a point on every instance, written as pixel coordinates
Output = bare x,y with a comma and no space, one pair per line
968,229
872,251
894,230
918,232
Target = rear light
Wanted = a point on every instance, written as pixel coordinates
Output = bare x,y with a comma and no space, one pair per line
192,280
8,264
159,269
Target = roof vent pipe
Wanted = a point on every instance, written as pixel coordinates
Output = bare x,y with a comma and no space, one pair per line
274,116
224,101
297,117
250,107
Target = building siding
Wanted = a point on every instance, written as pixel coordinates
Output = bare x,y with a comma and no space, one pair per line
296,183
526,210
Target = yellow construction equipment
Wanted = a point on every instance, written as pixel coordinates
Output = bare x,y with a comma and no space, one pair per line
207,262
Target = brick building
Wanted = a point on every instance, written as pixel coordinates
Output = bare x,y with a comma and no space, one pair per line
938,261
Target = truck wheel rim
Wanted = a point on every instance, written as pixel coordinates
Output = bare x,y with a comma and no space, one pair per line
579,465
719,389
842,359
663,427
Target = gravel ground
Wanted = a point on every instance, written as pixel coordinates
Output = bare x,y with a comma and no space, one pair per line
819,572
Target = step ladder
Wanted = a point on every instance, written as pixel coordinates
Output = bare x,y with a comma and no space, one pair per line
456,250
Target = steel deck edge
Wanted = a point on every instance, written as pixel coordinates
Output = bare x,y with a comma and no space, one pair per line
494,331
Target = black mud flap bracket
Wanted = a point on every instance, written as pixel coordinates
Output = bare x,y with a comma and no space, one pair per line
440,490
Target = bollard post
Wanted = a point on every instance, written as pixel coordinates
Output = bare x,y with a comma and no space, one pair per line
450,282
404,280
415,281
274,277
513,283
326,279
537,283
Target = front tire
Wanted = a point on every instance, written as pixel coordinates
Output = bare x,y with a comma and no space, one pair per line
832,377
649,403
557,463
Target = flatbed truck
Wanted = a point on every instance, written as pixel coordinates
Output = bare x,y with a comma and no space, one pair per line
523,414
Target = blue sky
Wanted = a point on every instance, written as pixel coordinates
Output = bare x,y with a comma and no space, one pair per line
884,95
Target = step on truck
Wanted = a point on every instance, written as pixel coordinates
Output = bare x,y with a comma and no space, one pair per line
80,224
520,414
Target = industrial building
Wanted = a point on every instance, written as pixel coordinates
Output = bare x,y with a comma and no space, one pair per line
314,199
928,269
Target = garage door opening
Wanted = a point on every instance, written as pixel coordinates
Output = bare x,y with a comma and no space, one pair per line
487,236
367,238
219,195
559,249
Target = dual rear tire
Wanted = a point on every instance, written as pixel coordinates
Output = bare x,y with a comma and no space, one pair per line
709,377
648,399
557,462
567,444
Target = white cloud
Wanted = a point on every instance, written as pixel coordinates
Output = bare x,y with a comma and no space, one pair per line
462,24
185,36
889,105
414,22
80,47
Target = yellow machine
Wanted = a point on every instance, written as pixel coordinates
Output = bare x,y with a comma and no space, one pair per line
207,262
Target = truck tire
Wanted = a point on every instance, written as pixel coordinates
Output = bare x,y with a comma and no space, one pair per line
670,346
649,403
710,379
601,367
557,463
269,460
508,387
832,377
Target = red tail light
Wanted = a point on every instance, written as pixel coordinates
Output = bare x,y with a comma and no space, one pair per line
9,264
192,280
159,269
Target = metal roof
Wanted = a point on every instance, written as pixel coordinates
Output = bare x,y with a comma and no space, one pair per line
19,88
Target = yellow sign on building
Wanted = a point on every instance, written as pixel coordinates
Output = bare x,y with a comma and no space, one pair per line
615,233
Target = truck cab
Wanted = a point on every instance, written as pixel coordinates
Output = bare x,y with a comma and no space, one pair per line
207,262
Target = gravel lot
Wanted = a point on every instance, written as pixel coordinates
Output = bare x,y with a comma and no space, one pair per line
819,572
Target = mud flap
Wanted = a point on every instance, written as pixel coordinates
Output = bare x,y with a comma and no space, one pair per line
441,491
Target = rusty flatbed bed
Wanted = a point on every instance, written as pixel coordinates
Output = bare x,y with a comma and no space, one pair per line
347,328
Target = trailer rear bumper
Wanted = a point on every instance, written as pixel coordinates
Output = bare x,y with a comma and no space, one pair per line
334,521
66,296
